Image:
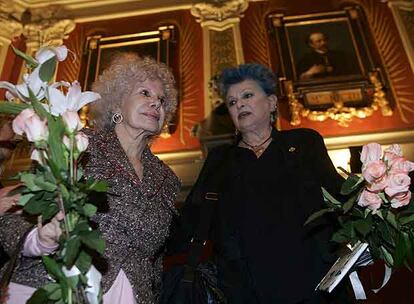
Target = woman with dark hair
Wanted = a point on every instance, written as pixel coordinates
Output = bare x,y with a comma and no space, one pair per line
263,251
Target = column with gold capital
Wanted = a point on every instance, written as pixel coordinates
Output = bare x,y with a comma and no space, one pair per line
47,26
10,27
221,40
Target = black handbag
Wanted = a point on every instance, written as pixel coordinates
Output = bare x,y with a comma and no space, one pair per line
195,282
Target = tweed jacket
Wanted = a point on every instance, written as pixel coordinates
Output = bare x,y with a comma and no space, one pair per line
134,219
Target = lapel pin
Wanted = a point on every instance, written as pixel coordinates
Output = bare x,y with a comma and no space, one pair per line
292,149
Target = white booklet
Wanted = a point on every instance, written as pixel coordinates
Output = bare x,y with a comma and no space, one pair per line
341,267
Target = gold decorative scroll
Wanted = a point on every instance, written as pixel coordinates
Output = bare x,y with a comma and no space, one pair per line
338,98
218,10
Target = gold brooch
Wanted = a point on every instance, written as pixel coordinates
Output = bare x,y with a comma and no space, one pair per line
292,149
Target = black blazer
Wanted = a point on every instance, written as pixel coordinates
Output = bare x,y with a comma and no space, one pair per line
301,167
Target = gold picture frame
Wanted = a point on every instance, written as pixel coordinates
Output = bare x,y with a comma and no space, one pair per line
403,13
160,44
327,70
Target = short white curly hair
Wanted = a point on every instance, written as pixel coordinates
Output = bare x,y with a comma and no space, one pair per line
119,79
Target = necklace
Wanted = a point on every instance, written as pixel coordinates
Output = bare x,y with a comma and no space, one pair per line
257,149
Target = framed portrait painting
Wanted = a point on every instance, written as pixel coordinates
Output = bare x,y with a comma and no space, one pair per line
326,66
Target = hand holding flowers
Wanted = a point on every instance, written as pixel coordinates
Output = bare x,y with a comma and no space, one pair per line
57,192
379,210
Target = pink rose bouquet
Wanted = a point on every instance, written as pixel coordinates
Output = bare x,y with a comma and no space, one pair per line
379,209
46,114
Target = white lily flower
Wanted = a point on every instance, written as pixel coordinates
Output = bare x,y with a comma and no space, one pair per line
73,101
21,91
45,53
33,81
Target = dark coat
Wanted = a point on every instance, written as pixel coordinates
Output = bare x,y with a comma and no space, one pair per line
272,259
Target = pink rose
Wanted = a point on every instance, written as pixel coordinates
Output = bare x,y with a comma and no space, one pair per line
72,121
29,122
378,185
19,123
392,152
401,199
397,183
370,200
82,142
370,152
374,171
401,165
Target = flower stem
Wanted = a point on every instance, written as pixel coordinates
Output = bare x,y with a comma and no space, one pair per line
65,220
72,142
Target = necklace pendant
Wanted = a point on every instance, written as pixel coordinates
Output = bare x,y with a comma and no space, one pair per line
259,151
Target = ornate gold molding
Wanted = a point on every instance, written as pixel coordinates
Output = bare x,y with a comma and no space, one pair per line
221,40
339,112
10,25
218,10
47,26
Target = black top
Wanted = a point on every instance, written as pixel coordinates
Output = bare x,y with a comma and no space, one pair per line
263,252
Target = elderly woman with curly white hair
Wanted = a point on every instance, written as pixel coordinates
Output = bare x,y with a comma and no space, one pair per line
137,98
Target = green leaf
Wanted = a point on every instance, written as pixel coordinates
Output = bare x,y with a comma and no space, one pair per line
89,210
73,281
387,256
408,245
400,252
386,234
24,199
12,108
390,217
93,240
349,203
99,186
64,191
383,197
53,268
351,184
44,185
31,62
36,204
84,261
312,217
47,69
364,226
346,234
56,130
54,291
50,211
72,251
38,297
330,198
28,180
81,227
407,219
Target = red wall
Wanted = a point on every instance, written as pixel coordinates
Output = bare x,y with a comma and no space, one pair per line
257,48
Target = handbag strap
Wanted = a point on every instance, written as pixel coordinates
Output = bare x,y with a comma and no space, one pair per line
209,199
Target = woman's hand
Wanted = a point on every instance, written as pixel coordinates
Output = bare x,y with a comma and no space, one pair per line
7,202
49,234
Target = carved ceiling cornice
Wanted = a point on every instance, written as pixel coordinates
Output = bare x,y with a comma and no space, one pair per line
218,10
93,10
